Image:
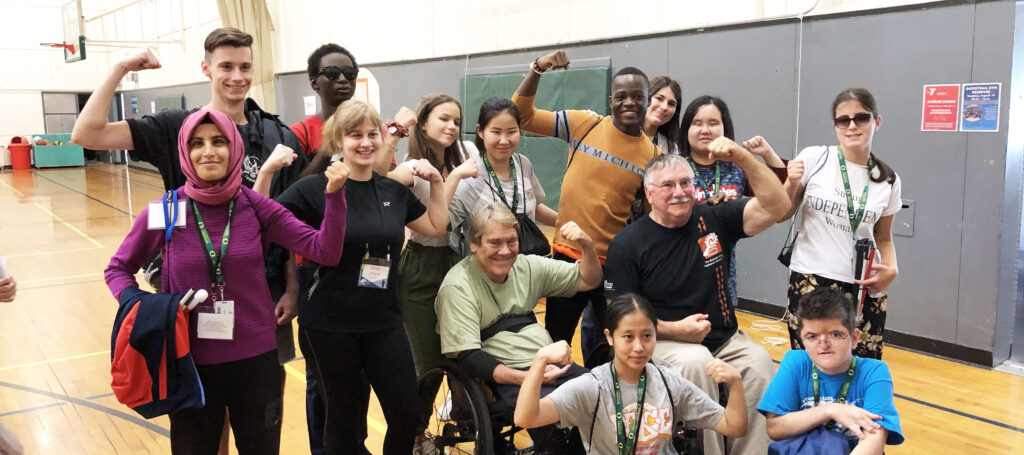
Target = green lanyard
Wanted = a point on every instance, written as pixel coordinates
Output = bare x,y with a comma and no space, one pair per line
858,216
704,186
213,260
497,183
846,383
627,441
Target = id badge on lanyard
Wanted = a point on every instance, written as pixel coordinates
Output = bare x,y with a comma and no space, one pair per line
374,271
216,322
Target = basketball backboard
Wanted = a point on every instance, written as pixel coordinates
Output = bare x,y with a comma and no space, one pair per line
74,31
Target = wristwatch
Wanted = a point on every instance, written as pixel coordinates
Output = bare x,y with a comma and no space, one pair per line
396,129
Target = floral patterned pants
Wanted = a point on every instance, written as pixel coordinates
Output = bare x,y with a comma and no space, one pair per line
871,320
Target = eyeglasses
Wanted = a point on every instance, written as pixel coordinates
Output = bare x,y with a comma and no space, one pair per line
860,119
832,337
669,185
333,73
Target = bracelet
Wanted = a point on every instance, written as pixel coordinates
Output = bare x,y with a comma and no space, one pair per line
396,128
535,68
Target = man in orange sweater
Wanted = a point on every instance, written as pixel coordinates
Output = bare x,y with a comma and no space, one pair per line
606,161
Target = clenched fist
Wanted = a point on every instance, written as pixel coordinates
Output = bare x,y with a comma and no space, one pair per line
282,156
144,60
724,149
337,175
553,61
795,171
720,372
573,233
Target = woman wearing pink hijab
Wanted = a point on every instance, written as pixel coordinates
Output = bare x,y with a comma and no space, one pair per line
220,249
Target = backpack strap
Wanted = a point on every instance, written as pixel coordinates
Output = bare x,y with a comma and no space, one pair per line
573,152
593,420
668,390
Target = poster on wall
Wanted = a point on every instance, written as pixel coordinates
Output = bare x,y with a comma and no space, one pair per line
980,110
941,107
367,88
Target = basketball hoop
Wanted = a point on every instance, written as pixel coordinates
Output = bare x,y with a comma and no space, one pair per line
70,48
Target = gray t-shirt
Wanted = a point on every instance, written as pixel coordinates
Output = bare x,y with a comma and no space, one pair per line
577,398
472,194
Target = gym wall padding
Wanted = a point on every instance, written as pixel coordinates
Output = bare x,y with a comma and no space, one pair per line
559,90
952,297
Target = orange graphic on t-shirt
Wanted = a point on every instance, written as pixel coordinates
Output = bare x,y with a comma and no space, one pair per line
709,245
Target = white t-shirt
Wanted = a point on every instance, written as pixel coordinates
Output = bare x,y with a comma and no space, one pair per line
421,188
825,246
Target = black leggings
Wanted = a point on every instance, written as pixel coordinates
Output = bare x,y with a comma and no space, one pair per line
563,313
250,389
386,360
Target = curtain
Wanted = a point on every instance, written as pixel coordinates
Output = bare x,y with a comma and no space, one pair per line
253,17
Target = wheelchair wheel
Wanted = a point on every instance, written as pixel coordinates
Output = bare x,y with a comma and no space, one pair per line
458,422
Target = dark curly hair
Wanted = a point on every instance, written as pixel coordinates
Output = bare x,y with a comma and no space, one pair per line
313,63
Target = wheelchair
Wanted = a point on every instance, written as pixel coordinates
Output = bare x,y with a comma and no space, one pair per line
464,417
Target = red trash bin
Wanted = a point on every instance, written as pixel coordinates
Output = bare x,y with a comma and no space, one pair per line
21,153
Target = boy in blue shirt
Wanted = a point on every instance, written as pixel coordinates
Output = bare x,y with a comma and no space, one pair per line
827,385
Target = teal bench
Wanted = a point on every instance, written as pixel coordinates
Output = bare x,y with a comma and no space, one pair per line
57,155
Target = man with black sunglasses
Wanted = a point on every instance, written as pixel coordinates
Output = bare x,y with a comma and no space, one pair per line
333,71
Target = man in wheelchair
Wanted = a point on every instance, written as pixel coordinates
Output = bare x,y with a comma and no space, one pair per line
485,310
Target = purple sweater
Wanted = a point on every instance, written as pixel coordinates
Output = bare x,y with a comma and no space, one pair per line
257,222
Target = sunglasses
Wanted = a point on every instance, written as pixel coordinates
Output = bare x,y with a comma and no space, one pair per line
844,121
333,73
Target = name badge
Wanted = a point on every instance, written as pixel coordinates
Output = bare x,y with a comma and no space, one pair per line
156,221
373,273
219,325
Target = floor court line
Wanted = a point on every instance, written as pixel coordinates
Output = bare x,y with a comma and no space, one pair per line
69,225
51,405
50,286
59,359
40,253
43,280
98,407
79,192
19,193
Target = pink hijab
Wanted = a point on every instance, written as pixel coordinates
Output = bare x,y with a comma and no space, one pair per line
221,191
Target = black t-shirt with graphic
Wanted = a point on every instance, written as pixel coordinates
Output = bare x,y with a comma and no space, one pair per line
378,210
681,271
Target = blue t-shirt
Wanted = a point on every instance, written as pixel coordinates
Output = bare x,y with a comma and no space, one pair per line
870,390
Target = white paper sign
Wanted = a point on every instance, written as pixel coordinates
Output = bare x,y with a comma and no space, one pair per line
309,103
152,107
215,326
155,218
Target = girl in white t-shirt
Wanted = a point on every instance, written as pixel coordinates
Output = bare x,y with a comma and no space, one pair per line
842,204
628,405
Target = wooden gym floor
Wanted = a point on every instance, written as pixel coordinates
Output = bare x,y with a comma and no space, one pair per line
59,227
